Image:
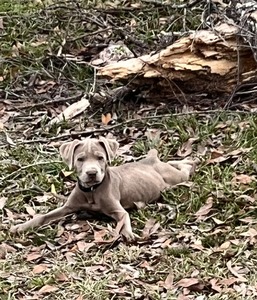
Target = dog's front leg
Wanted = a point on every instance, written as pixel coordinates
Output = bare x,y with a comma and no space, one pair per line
121,216
40,220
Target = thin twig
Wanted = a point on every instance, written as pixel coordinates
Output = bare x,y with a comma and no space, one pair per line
92,90
89,34
33,188
108,128
29,166
34,105
175,6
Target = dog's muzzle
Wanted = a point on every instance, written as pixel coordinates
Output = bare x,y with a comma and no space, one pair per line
91,188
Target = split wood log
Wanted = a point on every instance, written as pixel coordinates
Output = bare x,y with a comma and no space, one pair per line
204,62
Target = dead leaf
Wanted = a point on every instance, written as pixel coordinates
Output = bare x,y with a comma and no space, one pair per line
103,237
248,199
216,153
2,202
10,214
71,111
38,43
195,273
124,150
4,249
99,235
218,156
217,221
65,173
239,151
243,179
84,227
33,256
217,160
30,210
151,226
186,148
223,247
244,124
106,118
145,264
70,256
15,51
228,281
251,232
160,240
61,277
221,125
187,282
168,283
8,139
166,243
38,269
43,198
183,297
60,230
201,150
215,286
1,24
205,209
45,86
197,245
47,289
235,273
83,246
53,189
236,242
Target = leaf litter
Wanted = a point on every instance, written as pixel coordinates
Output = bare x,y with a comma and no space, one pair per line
204,246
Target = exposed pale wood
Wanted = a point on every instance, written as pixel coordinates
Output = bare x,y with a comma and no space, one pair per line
205,61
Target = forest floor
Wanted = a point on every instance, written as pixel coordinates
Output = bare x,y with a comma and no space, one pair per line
197,242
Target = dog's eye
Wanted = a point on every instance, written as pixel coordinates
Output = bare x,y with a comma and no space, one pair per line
80,159
100,158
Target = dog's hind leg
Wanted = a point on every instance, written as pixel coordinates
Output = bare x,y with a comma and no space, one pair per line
186,165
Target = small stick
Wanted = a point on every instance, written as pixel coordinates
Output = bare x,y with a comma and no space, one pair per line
101,130
29,166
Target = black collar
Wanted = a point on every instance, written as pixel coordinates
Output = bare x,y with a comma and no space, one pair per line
88,189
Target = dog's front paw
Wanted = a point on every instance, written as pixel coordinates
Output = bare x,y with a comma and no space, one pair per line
17,228
129,235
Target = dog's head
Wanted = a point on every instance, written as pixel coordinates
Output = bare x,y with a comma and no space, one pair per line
89,158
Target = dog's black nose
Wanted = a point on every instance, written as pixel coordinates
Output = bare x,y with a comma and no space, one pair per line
91,172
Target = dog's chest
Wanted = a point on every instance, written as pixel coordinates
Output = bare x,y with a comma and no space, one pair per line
91,201
90,198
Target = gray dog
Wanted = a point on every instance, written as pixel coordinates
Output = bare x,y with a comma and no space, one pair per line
111,190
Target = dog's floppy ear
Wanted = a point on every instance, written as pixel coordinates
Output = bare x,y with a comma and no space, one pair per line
67,152
111,146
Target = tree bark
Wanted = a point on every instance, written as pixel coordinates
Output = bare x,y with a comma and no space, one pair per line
208,62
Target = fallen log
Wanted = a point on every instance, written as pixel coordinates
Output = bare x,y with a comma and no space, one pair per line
207,61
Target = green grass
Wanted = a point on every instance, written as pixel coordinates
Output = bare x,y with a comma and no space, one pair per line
192,244
36,37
